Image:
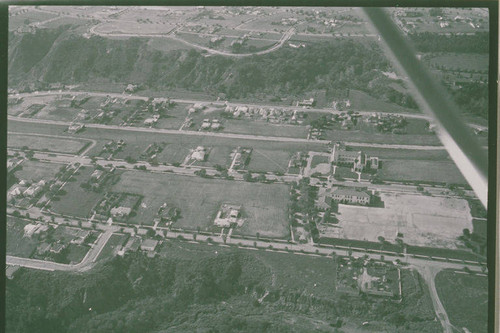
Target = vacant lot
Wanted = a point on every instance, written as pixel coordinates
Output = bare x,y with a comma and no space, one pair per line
114,244
77,201
269,160
43,143
17,244
265,129
461,61
412,170
465,299
34,171
423,220
404,154
199,200
364,102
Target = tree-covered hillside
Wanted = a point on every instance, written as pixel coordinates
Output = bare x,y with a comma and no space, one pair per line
208,293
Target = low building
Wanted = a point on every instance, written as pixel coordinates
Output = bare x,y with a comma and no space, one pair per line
75,128
353,196
149,244
121,211
199,154
228,216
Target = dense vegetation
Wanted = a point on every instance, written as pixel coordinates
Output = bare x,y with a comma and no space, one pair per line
330,66
219,293
432,42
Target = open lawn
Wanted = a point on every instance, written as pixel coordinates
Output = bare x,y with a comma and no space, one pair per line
465,299
421,170
17,244
77,201
34,171
262,128
43,143
199,199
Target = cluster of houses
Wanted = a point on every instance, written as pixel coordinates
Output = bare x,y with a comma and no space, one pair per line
117,205
272,115
306,103
347,120
213,124
388,123
24,189
112,147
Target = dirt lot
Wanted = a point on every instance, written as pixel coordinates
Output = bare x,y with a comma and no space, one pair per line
423,220
199,200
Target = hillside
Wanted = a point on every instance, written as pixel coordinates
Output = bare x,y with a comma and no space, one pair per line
68,58
208,291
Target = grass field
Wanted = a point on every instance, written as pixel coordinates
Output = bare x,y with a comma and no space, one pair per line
17,244
265,129
112,246
405,154
269,160
318,159
462,61
364,102
76,253
77,201
58,145
199,200
314,276
35,171
465,299
419,170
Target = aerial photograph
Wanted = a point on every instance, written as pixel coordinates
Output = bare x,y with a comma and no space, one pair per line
242,169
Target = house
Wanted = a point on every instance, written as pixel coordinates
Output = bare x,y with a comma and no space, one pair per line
121,211
34,189
228,215
215,126
149,244
75,128
307,102
150,121
199,154
97,175
57,248
348,195
206,124
374,163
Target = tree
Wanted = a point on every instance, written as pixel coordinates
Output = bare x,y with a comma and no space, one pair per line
201,173
466,232
381,239
247,177
257,234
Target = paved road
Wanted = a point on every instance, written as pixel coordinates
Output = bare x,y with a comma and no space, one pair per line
86,264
